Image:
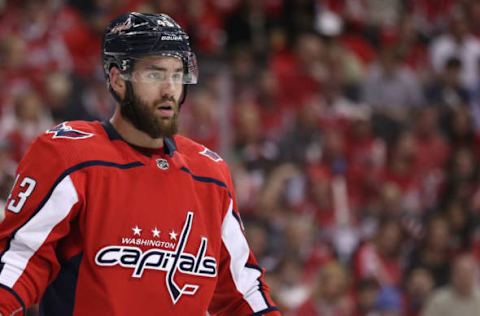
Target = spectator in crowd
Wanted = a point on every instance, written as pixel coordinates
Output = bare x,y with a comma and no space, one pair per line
380,258
96,101
388,302
274,113
459,43
418,287
205,24
434,252
248,26
431,16
301,143
401,171
462,225
243,69
203,110
462,295
410,45
431,152
301,71
392,90
14,77
344,67
366,155
390,86
461,178
366,292
291,291
257,154
59,96
448,89
330,295
298,16
459,127
26,120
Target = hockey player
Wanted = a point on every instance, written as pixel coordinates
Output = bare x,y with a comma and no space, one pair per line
125,217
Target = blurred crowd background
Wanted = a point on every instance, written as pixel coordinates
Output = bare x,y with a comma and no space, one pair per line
351,128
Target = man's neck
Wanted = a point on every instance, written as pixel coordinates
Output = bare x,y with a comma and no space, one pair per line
132,135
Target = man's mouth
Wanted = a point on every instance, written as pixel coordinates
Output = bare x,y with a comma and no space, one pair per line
165,110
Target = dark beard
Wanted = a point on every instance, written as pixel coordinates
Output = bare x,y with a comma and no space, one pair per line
142,117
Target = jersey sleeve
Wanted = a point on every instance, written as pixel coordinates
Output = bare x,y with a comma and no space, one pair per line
38,213
241,288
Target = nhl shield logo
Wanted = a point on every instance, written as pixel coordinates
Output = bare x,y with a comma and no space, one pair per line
162,164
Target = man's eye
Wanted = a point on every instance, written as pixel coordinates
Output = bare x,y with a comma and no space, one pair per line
177,77
155,75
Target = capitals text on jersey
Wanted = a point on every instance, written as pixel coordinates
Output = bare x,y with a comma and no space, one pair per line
163,260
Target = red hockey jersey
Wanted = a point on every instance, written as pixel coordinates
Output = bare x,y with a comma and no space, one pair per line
95,226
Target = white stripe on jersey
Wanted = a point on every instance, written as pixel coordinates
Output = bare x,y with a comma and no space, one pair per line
245,279
33,234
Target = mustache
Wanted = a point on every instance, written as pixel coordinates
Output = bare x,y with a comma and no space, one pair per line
165,99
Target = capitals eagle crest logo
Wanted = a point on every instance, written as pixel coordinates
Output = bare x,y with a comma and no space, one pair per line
66,131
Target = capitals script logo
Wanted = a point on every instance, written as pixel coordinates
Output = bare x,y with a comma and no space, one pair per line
164,260
65,131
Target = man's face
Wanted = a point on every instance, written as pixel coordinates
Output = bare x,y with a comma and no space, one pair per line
464,274
157,87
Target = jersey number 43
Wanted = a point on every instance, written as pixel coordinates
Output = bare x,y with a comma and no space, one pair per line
27,185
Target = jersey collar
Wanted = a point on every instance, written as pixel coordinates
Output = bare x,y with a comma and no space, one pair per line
169,147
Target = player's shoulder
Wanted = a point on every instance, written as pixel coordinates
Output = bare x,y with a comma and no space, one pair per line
74,133
71,138
200,157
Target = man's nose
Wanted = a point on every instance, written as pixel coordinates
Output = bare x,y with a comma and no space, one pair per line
167,92
169,86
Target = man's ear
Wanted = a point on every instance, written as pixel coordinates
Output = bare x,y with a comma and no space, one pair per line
117,83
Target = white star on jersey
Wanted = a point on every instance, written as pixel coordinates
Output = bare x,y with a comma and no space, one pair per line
136,230
173,235
155,232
